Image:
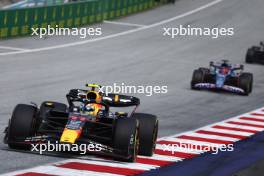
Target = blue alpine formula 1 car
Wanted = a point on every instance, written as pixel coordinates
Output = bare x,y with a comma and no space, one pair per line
223,76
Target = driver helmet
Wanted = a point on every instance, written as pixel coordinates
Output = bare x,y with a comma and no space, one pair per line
89,109
92,108
224,70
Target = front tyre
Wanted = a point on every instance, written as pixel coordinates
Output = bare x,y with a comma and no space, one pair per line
246,82
126,138
148,132
22,125
198,77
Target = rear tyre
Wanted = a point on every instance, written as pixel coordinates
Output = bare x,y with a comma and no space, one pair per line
198,77
126,138
250,56
148,132
204,70
246,82
250,75
22,125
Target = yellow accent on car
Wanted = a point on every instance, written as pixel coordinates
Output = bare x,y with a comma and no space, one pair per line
49,104
121,113
93,85
116,98
69,136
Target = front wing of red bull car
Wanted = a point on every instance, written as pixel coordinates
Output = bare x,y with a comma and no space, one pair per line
85,126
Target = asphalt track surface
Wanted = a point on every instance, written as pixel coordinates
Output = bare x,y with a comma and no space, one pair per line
142,57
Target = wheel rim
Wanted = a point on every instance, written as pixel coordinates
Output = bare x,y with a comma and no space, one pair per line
136,144
155,136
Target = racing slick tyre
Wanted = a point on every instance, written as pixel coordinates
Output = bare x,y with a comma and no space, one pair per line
250,56
246,82
126,138
22,125
204,70
198,77
148,132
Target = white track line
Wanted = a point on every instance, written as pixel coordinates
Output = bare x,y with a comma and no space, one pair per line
110,163
261,111
13,48
209,136
189,141
14,5
228,131
248,122
259,118
163,158
124,24
240,126
118,34
254,117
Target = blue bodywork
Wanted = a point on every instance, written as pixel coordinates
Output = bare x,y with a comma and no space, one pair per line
221,74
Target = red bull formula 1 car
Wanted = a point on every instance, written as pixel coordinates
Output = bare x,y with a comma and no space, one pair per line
255,54
86,119
223,76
